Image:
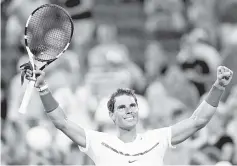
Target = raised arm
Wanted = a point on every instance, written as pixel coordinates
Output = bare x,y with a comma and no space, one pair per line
55,113
204,112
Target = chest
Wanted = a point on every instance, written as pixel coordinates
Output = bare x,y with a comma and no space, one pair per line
141,150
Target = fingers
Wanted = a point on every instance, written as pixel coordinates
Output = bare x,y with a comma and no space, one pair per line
29,73
226,75
223,69
27,65
30,78
224,72
32,75
39,73
36,72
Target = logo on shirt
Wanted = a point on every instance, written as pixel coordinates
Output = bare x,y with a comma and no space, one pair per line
131,161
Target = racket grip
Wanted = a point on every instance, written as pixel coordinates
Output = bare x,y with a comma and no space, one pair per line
26,97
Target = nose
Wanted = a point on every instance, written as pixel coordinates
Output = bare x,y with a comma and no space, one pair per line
128,110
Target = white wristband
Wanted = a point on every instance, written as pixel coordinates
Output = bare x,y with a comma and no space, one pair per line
42,88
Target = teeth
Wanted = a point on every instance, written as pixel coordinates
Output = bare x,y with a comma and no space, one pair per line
129,118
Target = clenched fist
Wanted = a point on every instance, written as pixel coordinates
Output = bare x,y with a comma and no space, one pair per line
224,76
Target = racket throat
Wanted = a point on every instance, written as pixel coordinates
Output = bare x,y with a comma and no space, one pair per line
47,63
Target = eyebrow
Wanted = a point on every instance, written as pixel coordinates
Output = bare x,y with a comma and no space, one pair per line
121,106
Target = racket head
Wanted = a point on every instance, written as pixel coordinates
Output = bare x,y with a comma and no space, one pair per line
48,32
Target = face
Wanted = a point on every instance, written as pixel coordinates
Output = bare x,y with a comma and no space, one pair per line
125,113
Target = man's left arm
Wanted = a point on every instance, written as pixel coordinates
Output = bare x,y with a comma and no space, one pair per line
204,112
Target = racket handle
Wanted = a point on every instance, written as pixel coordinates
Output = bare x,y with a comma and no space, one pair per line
26,97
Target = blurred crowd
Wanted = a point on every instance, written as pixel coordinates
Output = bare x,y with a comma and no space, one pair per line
185,42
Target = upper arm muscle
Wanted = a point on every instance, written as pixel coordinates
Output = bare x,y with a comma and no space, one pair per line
183,130
72,130
75,133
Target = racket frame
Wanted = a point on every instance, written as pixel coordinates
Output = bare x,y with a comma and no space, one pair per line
66,47
31,83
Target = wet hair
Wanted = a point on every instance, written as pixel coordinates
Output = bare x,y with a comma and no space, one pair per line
120,92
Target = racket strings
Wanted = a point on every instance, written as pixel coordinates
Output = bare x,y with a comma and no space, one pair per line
49,31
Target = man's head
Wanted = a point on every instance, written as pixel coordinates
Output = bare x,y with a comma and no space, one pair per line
123,108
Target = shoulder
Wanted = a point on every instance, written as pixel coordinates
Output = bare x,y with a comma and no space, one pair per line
94,139
163,135
97,136
158,130
158,133
96,133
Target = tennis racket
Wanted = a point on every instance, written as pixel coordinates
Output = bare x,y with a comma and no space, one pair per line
48,33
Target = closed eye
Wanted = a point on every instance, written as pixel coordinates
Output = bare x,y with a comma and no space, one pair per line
133,105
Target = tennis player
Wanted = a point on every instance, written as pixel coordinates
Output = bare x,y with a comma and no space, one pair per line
130,147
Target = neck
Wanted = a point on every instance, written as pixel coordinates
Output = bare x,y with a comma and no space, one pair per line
127,135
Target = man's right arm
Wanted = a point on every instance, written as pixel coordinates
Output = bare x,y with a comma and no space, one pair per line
59,119
54,112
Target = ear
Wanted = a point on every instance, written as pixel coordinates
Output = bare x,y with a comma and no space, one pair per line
112,116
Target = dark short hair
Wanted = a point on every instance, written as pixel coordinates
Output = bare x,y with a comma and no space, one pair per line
119,92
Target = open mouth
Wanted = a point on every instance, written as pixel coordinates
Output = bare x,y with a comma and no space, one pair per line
129,118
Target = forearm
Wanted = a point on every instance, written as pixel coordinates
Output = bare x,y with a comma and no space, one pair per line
203,114
208,107
52,108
